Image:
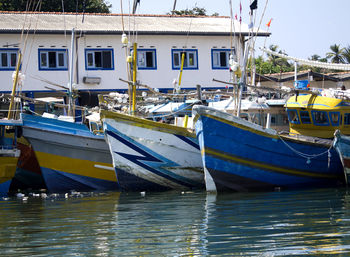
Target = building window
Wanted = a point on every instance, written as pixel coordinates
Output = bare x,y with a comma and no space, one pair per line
220,58
146,59
190,61
8,59
99,59
53,59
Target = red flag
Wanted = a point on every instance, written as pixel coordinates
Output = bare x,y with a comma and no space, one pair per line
269,23
240,7
236,17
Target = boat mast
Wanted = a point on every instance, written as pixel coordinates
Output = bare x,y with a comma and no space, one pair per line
134,78
70,96
10,114
243,78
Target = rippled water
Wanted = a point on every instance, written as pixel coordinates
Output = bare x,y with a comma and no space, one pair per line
313,222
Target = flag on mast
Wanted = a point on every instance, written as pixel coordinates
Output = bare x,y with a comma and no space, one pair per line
254,5
269,23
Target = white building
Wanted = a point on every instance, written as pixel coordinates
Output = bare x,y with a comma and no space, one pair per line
45,41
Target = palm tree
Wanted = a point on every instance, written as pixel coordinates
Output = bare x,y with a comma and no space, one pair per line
314,57
336,56
273,58
346,54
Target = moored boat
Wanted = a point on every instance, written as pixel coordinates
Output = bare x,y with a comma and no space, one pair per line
8,154
150,155
241,156
342,145
70,155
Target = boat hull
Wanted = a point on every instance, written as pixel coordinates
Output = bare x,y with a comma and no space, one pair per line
241,156
342,145
8,166
70,157
152,157
28,173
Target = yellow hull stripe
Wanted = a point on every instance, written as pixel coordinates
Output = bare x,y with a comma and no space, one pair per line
7,168
267,167
76,166
149,124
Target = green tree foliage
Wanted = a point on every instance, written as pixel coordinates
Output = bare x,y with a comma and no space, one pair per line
273,64
346,54
336,54
195,11
89,6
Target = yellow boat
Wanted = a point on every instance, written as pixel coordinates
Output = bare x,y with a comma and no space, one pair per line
9,154
318,115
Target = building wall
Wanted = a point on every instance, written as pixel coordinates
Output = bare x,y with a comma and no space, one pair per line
161,78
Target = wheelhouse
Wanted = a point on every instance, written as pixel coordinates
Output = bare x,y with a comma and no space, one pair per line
320,116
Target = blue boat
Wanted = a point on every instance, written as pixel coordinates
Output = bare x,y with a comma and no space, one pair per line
241,156
70,155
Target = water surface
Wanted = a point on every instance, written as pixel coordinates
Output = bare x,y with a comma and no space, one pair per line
308,222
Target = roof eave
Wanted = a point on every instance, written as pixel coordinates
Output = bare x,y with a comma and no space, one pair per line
119,32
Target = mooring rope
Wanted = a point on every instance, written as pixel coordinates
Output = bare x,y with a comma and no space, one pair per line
309,156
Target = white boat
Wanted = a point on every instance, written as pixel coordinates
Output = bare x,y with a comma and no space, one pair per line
150,155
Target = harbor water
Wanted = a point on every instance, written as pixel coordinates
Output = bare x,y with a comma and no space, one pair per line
303,222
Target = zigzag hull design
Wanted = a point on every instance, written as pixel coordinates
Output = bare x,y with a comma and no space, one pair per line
149,159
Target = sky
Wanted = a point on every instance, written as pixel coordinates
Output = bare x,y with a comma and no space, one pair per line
301,28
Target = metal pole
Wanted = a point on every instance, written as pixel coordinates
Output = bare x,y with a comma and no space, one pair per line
14,86
70,98
134,79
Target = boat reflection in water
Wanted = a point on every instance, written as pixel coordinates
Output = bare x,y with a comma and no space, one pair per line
177,224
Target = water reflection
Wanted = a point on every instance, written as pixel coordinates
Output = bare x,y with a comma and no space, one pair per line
279,223
178,224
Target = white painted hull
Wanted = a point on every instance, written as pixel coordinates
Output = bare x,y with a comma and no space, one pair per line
148,159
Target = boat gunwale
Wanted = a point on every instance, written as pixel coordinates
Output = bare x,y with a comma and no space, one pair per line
144,123
257,129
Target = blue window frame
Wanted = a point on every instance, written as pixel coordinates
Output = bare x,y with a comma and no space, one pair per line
53,59
346,118
305,117
320,118
220,59
146,59
99,59
335,118
293,116
190,62
8,58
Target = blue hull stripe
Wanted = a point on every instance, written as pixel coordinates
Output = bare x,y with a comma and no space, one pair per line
188,141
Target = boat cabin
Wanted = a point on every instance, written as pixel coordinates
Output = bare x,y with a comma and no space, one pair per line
319,115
